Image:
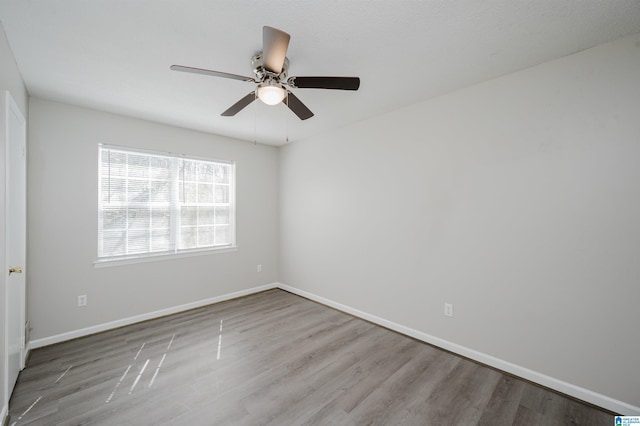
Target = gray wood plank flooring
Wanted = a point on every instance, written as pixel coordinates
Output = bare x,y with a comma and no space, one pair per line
273,358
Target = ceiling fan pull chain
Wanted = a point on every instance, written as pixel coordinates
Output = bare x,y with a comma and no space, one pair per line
255,119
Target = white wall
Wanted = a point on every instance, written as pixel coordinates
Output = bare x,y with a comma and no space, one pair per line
10,80
517,200
62,222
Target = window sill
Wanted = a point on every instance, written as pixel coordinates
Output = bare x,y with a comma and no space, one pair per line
129,260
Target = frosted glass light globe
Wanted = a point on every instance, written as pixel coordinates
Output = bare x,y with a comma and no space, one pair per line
271,94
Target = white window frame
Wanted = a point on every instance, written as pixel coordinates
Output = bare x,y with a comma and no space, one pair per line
174,251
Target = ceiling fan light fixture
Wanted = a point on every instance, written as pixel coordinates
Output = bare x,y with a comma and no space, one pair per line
271,93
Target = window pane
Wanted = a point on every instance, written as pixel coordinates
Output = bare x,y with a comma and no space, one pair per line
114,218
113,190
221,172
205,172
222,235
205,215
138,241
138,218
188,192
113,163
114,243
161,218
205,236
138,166
222,216
188,170
205,193
188,237
160,191
138,191
160,240
160,168
189,216
222,194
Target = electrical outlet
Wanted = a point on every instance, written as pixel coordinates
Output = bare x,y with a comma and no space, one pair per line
82,300
259,268
448,310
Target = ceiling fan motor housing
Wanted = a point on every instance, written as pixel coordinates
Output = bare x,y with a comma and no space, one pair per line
262,74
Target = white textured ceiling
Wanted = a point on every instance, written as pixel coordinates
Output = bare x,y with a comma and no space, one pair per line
114,55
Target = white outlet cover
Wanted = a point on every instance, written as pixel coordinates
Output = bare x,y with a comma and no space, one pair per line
448,309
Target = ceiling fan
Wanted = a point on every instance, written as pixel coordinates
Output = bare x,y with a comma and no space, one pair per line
270,70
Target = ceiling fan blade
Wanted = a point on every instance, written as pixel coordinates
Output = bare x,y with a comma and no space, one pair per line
211,72
274,48
297,106
240,105
340,83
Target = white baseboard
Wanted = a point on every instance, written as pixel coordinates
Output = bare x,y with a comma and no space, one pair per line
3,414
46,341
533,376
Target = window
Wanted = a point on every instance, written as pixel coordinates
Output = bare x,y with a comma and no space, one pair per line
153,204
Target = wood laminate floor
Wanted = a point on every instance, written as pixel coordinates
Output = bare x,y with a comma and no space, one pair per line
273,358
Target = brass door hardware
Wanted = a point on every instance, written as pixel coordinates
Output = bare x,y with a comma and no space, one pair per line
15,269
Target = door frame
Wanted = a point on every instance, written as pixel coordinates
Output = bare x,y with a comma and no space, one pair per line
12,108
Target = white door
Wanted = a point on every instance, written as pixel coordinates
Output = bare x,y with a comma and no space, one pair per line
16,242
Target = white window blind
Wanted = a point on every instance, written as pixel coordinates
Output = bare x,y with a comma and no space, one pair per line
153,204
